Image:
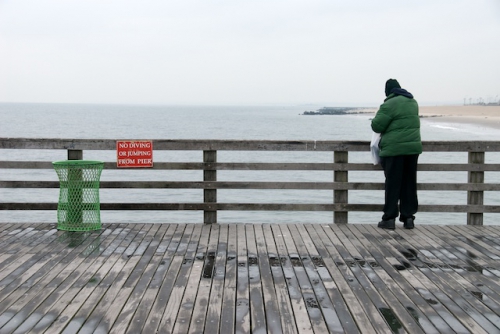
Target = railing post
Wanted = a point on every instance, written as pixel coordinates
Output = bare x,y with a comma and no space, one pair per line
76,176
475,197
75,155
340,196
210,195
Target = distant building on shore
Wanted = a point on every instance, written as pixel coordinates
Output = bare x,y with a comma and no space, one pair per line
480,102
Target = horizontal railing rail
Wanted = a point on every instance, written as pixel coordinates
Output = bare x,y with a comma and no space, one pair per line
340,168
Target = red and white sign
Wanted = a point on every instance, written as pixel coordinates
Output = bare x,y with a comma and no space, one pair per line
134,153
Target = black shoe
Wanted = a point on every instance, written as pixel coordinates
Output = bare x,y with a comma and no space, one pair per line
409,224
387,224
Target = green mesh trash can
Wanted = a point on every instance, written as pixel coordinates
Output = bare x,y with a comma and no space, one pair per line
79,208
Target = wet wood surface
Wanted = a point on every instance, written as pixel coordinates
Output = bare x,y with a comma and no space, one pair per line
249,278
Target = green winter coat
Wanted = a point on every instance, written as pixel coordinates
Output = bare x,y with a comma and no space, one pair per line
398,122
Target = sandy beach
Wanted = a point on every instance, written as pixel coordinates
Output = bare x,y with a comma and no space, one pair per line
488,116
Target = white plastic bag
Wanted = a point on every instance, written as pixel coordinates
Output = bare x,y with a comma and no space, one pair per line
374,148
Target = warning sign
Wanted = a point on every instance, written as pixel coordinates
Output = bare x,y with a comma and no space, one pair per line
134,153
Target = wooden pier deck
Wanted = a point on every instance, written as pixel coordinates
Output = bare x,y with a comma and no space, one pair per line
235,278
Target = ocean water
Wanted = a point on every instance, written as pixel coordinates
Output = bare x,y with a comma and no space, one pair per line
127,122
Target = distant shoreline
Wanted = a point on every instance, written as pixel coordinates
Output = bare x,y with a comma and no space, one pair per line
336,111
482,116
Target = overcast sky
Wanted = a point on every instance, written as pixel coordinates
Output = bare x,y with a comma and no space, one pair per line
247,52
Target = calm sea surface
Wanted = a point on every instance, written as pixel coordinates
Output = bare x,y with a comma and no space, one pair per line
241,123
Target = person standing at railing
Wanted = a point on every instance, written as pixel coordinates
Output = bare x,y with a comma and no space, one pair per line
400,146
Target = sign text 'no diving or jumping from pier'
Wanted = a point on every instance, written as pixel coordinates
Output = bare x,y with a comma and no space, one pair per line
134,153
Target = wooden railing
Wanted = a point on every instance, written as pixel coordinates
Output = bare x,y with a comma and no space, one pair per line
340,166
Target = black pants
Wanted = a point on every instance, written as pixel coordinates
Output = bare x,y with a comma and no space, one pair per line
400,186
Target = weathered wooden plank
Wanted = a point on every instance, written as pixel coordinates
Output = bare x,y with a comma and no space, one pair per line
191,287
169,265
395,313
448,298
54,284
24,243
110,245
43,263
228,313
444,321
188,250
335,264
301,261
10,236
272,313
339,319
242,321
133,284
14,298
317,273
434,279
14,265
289,258
82,289
348,270
5,228
280,286
110,271
41,242
206,279
459,278
388,281
258,207
484,247
479,282
479,257
214,311
33,265
142,310
16,234
200,145
117,277
320,309
390,246
447,249
451,283
239,145
257,304
491,236
29,240
386,303
313,166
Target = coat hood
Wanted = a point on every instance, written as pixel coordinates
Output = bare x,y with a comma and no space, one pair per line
400,91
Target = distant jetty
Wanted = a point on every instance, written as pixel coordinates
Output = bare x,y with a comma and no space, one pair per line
335,111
